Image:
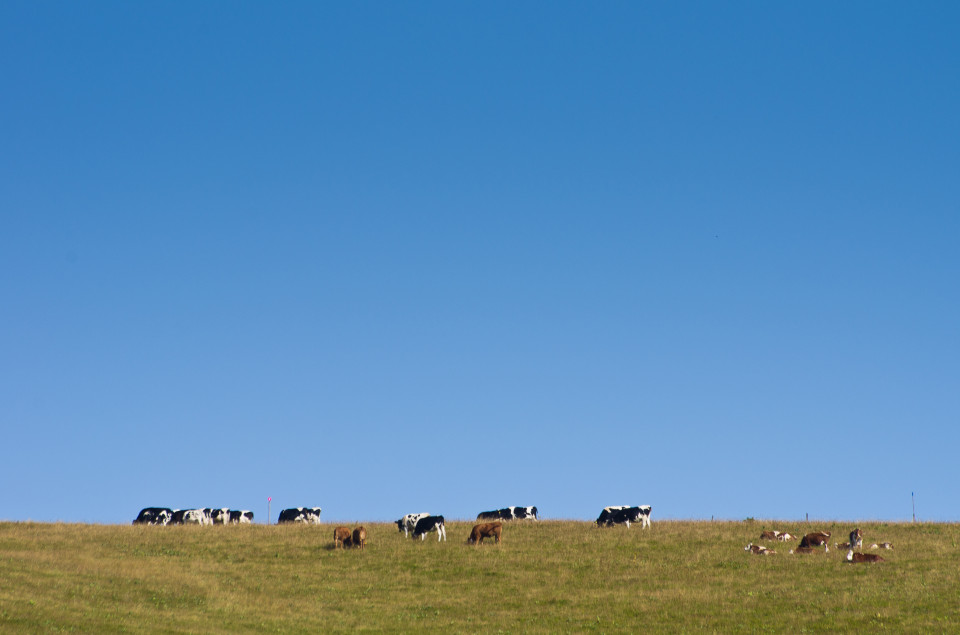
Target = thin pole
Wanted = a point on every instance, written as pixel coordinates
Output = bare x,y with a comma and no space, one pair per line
914,504
269,499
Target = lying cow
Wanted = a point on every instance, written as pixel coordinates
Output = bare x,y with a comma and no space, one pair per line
485,530
510,513
863,557
806,550
430,523
623,515
409,522
759,550
769,535
306,515
154,516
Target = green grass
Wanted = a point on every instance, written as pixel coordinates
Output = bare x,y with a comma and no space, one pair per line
552,576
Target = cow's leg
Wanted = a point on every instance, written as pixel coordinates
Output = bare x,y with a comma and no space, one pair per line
628,524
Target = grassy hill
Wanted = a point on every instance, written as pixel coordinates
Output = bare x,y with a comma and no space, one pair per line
551,576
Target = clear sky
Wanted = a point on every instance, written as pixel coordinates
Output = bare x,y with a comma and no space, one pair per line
386,257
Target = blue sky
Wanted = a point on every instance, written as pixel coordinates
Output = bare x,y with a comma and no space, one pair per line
397,257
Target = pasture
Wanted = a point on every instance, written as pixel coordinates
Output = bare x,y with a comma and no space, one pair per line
551,576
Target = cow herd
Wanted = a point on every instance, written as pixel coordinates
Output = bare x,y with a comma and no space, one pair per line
204,516
811,543
418,524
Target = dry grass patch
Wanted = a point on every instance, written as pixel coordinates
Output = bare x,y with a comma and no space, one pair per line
546,577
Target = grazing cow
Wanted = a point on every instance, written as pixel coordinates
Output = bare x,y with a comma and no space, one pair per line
241,517
623,515
409,522
341,537
485,530
154,516
198,516
510,513
863,557
307,515
191,516
360,537
430,523
815,539
856,538
759,550
784,537
220,516
769,535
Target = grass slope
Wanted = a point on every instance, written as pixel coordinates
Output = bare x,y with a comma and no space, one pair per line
552,576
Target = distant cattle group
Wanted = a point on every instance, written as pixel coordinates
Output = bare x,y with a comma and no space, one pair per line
423,523
812,542
418,524
204,516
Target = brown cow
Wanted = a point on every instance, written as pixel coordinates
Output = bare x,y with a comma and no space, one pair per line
759,550
863,557
485,530
769,535
360,537
341,537
803,550
815,539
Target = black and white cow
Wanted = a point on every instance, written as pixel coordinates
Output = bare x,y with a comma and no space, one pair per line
509,513
198,516
154,516
430,523
307,515
409,522
225,516
623,515
192,517
241,517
